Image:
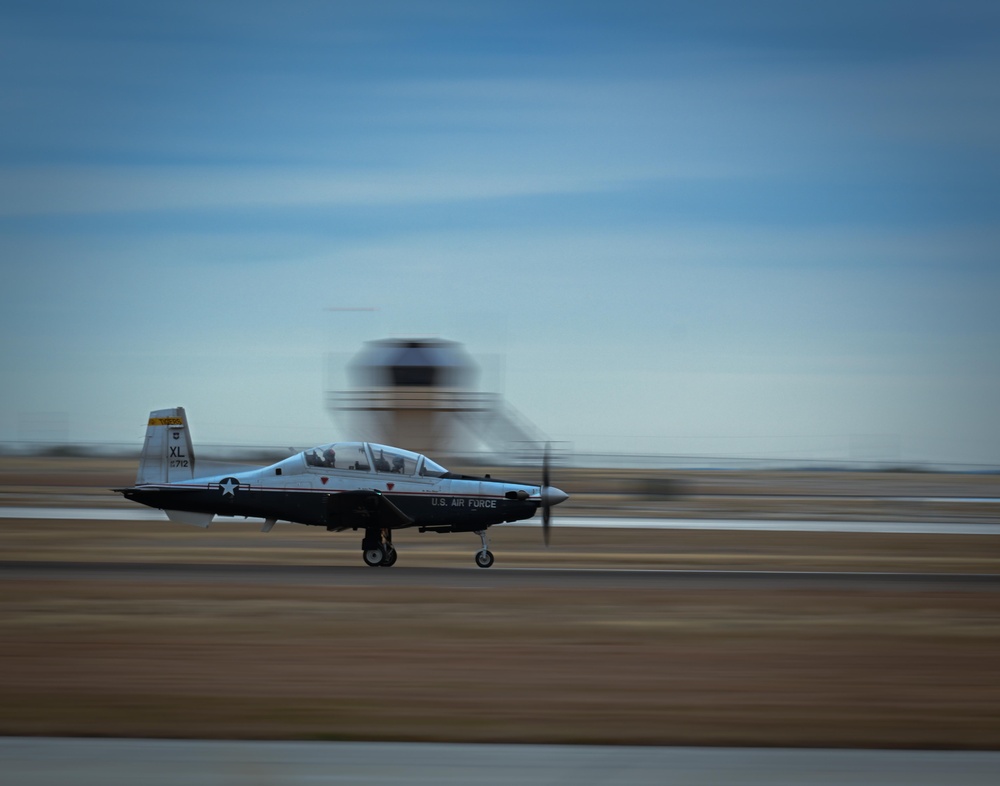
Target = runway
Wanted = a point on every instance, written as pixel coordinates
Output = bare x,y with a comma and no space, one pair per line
264,650
611,637
115,762
494,578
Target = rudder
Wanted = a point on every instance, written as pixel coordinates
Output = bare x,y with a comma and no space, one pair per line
167,454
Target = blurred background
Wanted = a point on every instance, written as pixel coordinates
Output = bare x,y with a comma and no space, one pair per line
708,251
711,229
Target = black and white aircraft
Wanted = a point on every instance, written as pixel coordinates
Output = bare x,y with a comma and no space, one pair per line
340,486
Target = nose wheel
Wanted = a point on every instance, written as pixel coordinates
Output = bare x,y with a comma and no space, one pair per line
484,557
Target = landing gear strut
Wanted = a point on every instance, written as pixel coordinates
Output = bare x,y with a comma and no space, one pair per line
484,557
377,549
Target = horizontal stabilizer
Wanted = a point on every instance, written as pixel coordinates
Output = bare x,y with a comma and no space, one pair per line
187,517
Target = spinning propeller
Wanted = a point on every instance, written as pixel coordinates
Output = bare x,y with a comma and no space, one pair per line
550,496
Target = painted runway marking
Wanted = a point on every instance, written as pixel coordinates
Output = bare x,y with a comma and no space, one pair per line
571,522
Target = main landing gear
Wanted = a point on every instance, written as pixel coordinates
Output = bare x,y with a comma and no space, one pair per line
378,552
484,557
377,548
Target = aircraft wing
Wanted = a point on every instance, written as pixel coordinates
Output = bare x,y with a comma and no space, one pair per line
364,508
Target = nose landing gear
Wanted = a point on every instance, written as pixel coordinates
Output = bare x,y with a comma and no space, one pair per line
484,557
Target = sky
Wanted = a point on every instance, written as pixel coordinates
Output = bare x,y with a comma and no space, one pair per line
762,229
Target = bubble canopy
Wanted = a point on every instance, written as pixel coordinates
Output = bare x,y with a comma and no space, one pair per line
372,457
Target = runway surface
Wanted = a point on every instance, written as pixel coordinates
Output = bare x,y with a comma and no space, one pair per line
494,578
110,762
49,761
584,522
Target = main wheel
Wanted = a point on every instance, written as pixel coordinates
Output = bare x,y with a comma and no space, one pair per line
484,558
390,558
373,557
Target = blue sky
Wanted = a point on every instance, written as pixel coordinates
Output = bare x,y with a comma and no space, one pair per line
739,228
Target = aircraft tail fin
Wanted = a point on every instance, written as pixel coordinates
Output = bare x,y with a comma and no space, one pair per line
167,454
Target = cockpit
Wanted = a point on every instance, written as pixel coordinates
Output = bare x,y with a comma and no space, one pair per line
372,457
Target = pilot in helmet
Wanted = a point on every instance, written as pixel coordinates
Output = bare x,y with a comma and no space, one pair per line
330,457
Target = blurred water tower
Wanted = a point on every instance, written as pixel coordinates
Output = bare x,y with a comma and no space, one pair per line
420,394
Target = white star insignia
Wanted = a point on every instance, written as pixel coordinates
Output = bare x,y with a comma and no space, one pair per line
229,486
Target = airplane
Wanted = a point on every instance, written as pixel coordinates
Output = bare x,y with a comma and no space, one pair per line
341,486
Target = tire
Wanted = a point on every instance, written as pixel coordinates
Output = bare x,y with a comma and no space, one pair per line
484,559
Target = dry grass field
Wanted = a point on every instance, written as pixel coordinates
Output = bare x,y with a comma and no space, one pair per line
889,666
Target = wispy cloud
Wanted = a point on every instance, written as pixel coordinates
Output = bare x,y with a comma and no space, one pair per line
762,214
33,191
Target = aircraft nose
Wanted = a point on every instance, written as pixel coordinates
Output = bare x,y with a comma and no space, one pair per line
553,496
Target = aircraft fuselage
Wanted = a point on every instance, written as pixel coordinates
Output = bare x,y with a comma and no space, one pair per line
339,486
336,498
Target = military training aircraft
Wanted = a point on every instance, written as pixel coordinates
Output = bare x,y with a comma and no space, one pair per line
340,486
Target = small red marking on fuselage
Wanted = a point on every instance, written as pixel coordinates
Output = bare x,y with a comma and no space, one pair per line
324,480
389,486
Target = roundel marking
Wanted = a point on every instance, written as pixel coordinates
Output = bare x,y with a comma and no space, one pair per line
229,487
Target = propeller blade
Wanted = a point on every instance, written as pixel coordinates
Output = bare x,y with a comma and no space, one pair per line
546,507
545,464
